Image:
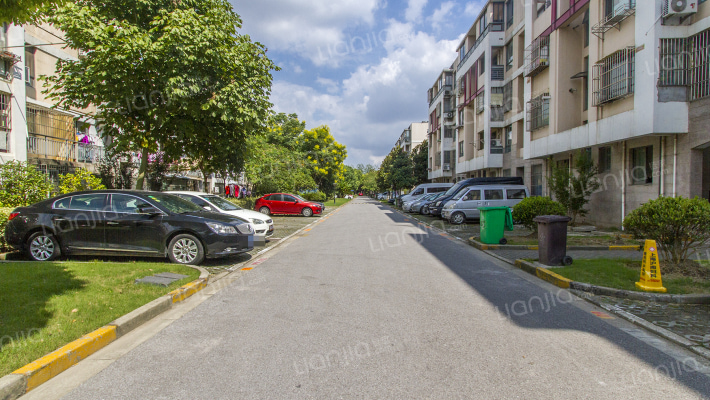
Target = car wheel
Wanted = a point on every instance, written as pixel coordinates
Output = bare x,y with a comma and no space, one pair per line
457,218
425,210
307,212
265,210
186,249
43,247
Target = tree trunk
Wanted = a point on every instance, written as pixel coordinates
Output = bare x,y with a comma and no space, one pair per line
142,169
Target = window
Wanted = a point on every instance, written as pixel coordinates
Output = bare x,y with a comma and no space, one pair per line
497,24
289,198
5,68
585,25
538,113
461,149
541,7
536,180
699,73
604,159
585,88
481,102
508,138
447,157
613,77
482,65
45,122
642,165
508,97
514,194
482,23
685,62
481,140
30,66
448,133
537,56
128,204
88,202
4,120
274,197
509,56
472,195
493,194
509,9
506,173
462,52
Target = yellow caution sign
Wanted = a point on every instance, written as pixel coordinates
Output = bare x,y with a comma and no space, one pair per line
650,280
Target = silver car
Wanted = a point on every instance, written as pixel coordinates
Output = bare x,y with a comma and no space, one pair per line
407,205
466,202
416,206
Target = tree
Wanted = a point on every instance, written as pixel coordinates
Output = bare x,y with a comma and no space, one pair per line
351,180
400,170
168,75
25,11
420,161
80,180
325,156
22,184
574,189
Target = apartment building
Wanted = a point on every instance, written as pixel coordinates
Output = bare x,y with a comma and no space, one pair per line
628,82
625,81
489,95
441,126
412,137
31,129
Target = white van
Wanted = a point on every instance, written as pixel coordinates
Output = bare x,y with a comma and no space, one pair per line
425,188
466,202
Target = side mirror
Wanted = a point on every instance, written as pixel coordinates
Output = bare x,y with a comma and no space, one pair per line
149,211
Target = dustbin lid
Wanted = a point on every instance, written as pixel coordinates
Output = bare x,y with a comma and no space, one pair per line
493,208
550,219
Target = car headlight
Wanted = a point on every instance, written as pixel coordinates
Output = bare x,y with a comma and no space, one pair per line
245,229
257,221
449,206
221,229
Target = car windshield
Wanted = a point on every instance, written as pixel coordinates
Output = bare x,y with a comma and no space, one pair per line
225,205
453,189
459,194
173,203
301,198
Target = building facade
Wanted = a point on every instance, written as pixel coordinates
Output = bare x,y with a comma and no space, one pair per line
627,82
412,137
32,129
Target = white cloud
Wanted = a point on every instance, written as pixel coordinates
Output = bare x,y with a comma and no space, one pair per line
376,102
440,16
414,10
308,28
473,8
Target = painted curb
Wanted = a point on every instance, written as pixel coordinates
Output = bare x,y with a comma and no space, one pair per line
43,369
481,246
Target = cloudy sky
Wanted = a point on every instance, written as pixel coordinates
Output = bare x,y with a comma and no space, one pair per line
360,66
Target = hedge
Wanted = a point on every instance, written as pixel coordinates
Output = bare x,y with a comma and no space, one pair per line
4,212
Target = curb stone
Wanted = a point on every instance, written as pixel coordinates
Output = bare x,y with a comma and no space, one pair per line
481,246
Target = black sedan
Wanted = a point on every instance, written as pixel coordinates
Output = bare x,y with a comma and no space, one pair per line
124,222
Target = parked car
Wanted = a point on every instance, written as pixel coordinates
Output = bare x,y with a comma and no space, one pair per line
284,203
418,205
118,222
407,205
464,205
263,226
435,209
425,188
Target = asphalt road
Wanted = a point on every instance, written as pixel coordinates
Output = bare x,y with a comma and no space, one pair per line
367,304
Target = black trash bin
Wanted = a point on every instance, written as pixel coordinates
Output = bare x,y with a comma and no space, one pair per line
552,239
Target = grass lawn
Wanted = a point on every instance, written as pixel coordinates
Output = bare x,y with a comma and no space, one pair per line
605,240
44,306
622,274
338,202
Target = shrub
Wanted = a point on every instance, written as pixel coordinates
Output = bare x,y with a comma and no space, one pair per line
245,202
22,184
314,196
4,212
78,181
531,207
678,225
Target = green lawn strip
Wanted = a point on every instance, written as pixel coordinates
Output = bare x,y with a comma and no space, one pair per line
338,202
44,306
623,274
605,240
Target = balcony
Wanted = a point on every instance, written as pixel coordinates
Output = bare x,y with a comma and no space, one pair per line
496,146
498,73
537,56
623,10
447,90
613,77
476,44
63,150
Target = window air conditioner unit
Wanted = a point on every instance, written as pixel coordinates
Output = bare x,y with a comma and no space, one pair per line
447,92
447,167
680,7
497,143
449,115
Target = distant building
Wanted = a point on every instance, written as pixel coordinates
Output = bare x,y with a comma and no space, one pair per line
412,137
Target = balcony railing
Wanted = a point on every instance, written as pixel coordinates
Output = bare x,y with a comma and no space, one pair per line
498,73
497,114
476,44
64,150
623,10
445,88
613,77
537,56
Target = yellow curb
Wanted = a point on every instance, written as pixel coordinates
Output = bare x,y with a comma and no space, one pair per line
188,290
533,247
54,363
626,247
555,279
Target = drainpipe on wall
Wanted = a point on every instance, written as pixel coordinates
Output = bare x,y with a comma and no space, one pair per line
623,185
675,161
662,189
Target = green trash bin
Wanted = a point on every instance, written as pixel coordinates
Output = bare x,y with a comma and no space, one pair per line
494,222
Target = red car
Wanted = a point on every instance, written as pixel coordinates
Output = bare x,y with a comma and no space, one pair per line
284,203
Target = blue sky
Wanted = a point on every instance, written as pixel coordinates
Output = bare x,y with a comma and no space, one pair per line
360,66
